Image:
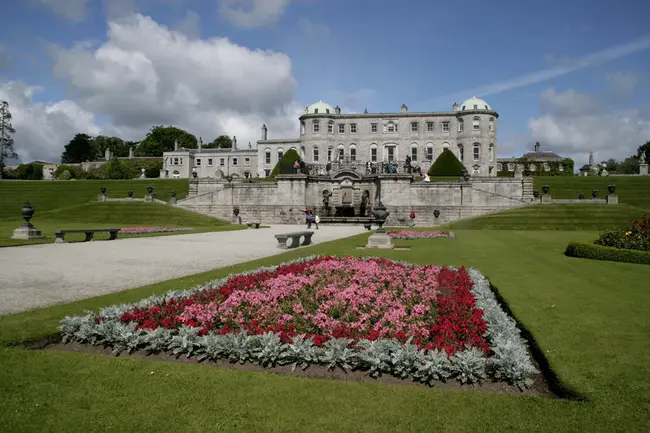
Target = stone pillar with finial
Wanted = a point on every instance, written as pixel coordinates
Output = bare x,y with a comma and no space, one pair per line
234,143
643,165
27,230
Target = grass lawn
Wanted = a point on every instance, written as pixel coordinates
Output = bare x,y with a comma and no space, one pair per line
108,215
590,319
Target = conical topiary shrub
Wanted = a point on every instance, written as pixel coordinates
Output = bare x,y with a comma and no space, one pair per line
446,165
285,165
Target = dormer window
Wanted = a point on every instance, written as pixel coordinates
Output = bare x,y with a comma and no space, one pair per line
316,126
327,110
486,107
475,107
316,110
463,108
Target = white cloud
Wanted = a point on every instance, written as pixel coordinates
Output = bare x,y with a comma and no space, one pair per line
145,74
190,25
562,66
74,10
573,124
43,129
251,14
313,30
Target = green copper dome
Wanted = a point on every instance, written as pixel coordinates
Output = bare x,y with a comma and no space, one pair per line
320,107
474,103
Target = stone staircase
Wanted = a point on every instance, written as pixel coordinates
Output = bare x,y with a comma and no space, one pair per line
527,193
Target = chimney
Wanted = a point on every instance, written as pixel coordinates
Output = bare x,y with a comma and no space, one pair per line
405,109
234,143
250,146
337,110
454,107
131,153
264,132
200,143
107,154
538,147
365,111
176,145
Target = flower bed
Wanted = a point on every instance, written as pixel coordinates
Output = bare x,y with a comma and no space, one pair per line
426,323
634,237
141,230
412,234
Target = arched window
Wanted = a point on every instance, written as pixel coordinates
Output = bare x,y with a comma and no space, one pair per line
461,152
477,151
267,156
315,154
491,152
293,148
461,125
373,152
280,153
445,145
430,151
330,127
414,152
353,152
316,126
302,152
340,152
491,124
302,128
532,167
476,123
330,151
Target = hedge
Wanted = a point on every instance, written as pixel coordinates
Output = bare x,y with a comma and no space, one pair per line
285,165
446,165
591,251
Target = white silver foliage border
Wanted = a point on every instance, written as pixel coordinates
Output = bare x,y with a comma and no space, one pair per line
509,362
451,235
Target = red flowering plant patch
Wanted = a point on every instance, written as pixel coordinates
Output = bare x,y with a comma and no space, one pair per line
426,322
635,237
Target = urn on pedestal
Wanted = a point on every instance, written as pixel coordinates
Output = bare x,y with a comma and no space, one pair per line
27,230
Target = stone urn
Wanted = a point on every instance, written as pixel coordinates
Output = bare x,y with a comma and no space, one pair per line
103,190
235,211
174,193
27,212
380,213
150,189
130,193
195,175
581,196
545,189
611,188
436,213
594,193
535,193
465,175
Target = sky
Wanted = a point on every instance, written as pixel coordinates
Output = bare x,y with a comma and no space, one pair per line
573,75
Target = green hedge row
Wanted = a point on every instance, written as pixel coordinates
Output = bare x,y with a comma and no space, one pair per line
587,250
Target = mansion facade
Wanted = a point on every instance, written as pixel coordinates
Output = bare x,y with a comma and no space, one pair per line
327,134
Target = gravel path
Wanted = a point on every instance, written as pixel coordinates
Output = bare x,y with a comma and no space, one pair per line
40,275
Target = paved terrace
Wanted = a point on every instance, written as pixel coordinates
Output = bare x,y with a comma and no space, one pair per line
40,275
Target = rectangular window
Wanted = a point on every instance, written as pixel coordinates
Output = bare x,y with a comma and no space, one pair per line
477,153
414,126
222,161
198,161
267,158
247,161
391,154
391,127
175,161
461,125
330,128
353,154
373,154
445,126
430,153
234,161
280,155
353,128
316,126
210,161
373,128
429,126
329,154
341,128
414,154
316,155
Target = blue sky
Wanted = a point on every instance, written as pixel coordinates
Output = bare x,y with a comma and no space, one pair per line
379,54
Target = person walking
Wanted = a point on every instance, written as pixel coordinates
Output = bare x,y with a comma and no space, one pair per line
296,166
412,218
316,221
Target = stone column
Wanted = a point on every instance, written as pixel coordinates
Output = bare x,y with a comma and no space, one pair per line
643,169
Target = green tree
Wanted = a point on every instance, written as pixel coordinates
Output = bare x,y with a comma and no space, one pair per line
161,139
644,148
446,165
79,149
285,165
221,142
7,132
611,165
118,147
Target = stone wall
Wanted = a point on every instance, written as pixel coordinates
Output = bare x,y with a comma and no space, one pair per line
284,202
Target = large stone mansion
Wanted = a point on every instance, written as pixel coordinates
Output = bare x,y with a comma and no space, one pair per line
327,134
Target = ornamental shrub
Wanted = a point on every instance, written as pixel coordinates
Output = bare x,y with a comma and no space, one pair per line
65,175
446,165
635,237
75,171
285,165
586,250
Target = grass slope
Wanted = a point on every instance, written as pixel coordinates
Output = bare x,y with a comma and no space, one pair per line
590,319
49,195
631,190
105,215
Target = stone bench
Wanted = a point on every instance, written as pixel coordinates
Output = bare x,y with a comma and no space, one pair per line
60,234
295,239
251,225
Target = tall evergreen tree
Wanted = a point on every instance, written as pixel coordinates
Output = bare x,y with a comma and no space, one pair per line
79,149
7,132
